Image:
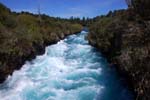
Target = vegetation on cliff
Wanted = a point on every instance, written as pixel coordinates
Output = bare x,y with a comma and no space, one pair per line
124,37
141,7
24,35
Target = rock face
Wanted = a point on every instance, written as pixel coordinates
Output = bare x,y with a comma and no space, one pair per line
124,38
23,36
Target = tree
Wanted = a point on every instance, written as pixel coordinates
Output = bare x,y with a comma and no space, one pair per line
141,7
129,3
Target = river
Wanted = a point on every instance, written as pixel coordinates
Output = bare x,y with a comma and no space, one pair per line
69,70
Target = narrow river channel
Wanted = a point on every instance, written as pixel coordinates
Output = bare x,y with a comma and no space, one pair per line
69,70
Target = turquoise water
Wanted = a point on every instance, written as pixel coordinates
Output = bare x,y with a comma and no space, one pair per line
69,70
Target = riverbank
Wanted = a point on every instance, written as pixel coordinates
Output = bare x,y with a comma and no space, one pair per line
123,37
25,35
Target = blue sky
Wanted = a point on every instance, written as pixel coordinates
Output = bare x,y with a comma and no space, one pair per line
66,8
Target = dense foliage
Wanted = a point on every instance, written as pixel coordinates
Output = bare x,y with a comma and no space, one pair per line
23,35
124,37
141,7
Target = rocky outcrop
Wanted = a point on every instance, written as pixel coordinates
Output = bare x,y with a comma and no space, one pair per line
124,38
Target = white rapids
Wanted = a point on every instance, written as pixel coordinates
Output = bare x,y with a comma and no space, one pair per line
69,70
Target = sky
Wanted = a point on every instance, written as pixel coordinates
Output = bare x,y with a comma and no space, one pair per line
66,8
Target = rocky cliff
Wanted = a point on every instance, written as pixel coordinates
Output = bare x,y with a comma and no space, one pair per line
123,36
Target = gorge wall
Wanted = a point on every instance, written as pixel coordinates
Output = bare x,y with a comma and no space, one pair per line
124,38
